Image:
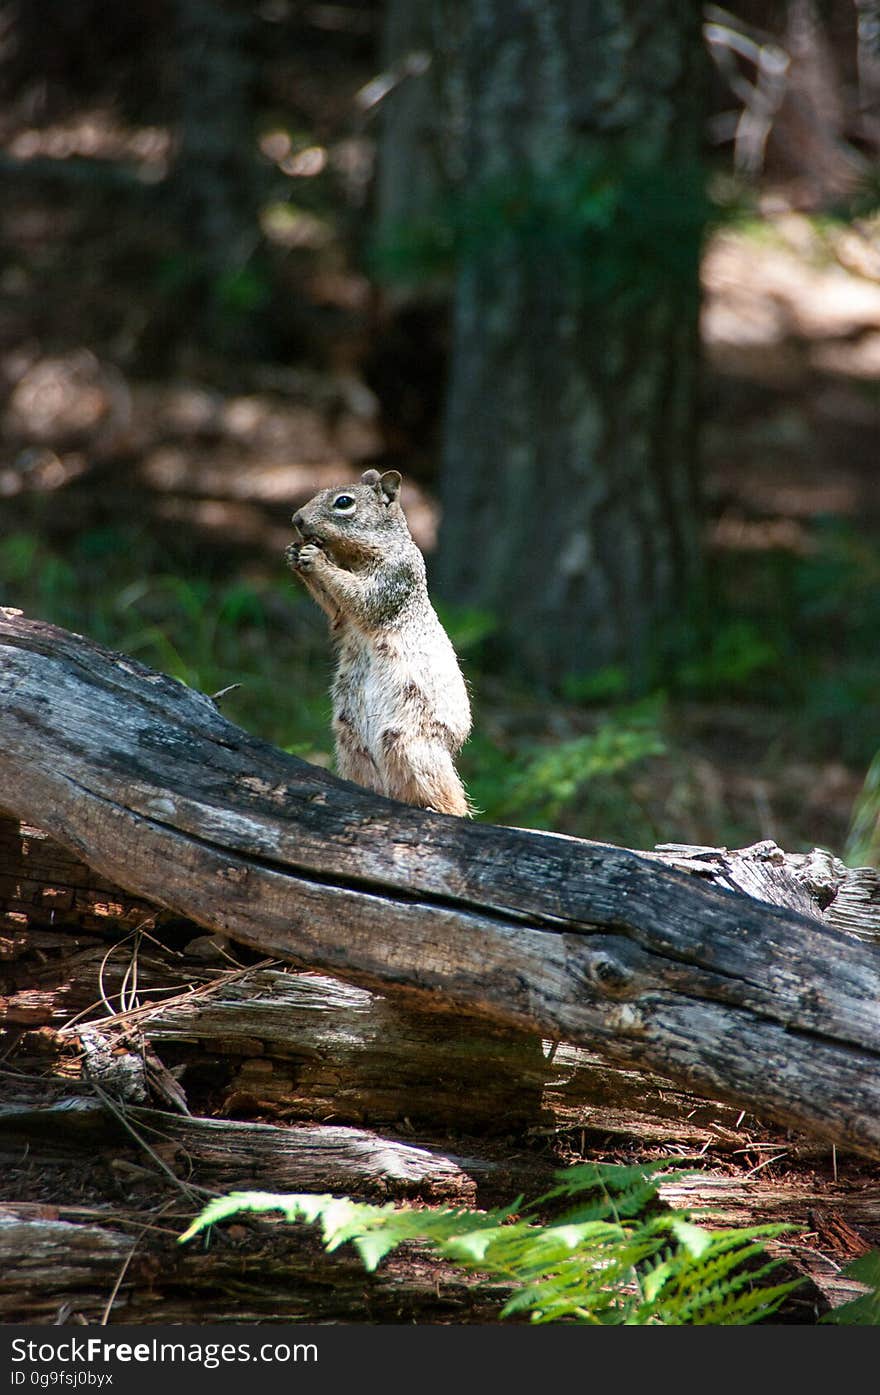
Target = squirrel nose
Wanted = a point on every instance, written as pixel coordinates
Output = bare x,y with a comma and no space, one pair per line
297,520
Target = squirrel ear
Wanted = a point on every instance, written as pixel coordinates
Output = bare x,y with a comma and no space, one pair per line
389,484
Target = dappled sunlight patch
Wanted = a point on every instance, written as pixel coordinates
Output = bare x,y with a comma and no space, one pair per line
95,135
792,492
859,358
226,474
291,227
768,293
737,534
66,398
40,471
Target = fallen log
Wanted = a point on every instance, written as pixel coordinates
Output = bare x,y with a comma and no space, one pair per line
55,1271
268,1042
226,1154
756,1003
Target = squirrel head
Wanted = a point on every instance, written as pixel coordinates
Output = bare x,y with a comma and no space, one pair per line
355,523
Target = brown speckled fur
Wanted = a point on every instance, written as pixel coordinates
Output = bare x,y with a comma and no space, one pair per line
400,705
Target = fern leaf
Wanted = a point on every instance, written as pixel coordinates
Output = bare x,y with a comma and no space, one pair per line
863,1311
611,1260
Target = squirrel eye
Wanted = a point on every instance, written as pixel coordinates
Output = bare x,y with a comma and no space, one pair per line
343,503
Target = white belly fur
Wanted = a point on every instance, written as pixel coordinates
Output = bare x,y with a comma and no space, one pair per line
399,682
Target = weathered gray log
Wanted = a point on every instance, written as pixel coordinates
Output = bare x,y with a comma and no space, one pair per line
225,1153
816,882
358,1056
45,888
307,1048
735,1200
55,1270
577,941
307,1158
278,1044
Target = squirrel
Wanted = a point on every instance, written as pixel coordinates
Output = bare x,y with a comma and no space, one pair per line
400,704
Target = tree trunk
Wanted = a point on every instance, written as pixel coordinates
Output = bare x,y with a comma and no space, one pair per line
808,136
868,51
214,184
579,942
570,491
408,179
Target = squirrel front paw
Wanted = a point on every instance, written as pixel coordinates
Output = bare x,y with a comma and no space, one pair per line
302,557
309,556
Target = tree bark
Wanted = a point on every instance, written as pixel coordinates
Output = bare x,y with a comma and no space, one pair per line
213,179
224,1154
570,486
808,135
264,1041
577,941
51,1268
409,170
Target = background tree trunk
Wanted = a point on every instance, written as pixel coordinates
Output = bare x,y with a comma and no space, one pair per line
408,177
808,137
570,489
215,188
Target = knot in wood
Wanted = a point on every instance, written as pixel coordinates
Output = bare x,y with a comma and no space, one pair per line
609,975
233,874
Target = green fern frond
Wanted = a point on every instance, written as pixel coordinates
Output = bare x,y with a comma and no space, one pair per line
616,1258
863,1311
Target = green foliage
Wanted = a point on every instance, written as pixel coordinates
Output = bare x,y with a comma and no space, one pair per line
229,296
605,685
552,777
835,619
211,635
539,781
863,841
865,1310
736,654
863,200
795,632
616,1256
842,573
242,290
467,627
